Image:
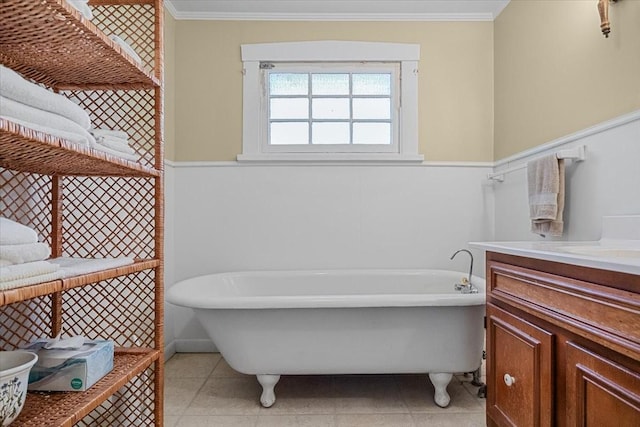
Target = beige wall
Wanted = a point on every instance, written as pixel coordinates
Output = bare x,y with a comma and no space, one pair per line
556,74
455,82
169,85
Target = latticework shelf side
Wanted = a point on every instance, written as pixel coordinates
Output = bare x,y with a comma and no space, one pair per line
85,203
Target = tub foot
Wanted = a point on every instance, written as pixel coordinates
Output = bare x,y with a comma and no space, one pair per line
440,382
268,382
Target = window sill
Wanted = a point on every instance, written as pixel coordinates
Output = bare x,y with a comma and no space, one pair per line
329,158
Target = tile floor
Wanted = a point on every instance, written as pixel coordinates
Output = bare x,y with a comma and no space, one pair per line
202,390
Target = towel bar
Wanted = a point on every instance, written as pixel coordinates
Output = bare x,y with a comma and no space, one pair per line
577,154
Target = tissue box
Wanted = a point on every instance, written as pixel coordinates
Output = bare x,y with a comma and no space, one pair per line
70,370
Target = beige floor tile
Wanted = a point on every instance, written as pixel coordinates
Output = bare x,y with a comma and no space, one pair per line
296,421
191,365
227,396
179,392
311,394
475,419
218,421
367,394
171,420
374,420
223,370
417,393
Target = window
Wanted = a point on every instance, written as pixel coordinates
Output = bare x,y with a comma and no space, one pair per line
338,108
330,101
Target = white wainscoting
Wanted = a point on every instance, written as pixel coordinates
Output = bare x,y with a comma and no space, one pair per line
607,182
230,217
227,216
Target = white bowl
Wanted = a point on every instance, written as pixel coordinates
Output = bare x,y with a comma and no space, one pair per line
14,379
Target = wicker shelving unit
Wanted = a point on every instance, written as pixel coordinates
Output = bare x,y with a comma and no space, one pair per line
86,203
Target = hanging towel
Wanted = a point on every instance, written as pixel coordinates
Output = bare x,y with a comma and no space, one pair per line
14,87
21,111
546,195
67,136
19,254
14,233
79,266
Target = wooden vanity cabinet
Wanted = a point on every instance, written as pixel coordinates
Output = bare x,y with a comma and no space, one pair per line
563,344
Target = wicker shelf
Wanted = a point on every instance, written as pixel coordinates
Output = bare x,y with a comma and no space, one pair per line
27,150
67,408
86,203
28,292
51,43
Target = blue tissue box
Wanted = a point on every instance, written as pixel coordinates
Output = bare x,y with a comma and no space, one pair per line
70,370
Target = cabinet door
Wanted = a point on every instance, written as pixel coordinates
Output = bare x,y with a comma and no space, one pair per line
600,392
519,371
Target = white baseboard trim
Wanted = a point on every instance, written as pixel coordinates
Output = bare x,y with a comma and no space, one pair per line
169,350
195,346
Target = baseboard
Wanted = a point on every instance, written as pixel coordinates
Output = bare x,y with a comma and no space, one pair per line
169,350
195,346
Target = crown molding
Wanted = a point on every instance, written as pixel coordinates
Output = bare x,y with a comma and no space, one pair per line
309,16
394,17
171,9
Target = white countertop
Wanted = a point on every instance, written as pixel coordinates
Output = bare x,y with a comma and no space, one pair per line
605,254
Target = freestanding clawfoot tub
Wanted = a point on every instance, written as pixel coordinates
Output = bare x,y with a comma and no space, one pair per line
273,323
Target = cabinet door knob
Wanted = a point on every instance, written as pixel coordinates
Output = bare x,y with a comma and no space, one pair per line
509,380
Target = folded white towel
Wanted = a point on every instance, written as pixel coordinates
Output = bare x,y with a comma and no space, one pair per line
79,266
126,47
5,262
18,283
126,156
14,87
545,178
29,269
116,133
82,7
18,110
116,144
68,136
19,254
14,233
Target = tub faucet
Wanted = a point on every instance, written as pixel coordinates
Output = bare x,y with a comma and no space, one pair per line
466,287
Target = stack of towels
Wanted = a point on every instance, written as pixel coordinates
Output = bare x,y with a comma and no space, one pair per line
37,108
22,257
82,6
114,142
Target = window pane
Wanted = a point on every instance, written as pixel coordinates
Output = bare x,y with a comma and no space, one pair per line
372,84
288,84
289,108
372,133
330,133
288,133
330,84
371,108
330,108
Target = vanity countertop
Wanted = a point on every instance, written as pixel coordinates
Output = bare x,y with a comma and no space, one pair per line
615,255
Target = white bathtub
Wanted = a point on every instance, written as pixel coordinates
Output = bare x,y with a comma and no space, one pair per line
273,323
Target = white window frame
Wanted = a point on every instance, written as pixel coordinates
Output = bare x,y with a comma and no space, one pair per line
255,146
